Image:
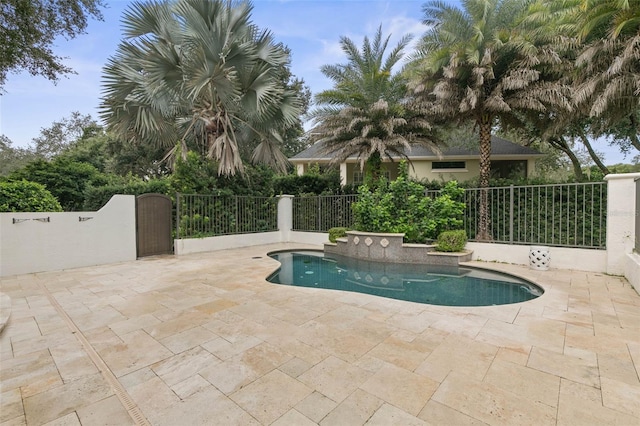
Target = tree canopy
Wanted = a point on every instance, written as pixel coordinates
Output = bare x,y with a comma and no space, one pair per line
28,29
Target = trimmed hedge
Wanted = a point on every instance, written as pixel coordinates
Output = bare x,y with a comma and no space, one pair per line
338,232
96,197
25,196
451,241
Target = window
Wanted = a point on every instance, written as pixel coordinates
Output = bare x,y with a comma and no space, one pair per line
509,169
358,176
448,165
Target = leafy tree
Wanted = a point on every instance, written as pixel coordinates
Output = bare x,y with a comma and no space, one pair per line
64,178
366,114
12,158
592,34
25,196
199,72
193,174
91,150
624,133
61,134
127,157
28,29
474,66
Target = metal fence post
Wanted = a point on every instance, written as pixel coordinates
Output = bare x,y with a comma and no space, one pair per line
319,212
236,216
511,214
177,215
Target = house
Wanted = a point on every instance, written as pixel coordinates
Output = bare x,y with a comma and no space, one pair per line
508,160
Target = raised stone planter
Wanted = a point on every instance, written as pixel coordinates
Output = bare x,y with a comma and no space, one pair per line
380,247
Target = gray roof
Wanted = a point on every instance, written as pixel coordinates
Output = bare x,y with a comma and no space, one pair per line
499,147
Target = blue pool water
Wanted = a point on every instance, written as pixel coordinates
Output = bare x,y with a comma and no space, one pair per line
435,285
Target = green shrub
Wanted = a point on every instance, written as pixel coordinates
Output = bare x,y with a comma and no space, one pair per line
97,196
196,174
335,233
65,179
25,196
400,206
312,182
451,241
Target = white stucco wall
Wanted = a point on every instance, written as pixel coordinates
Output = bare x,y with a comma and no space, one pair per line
422,170
66,242
561,257
621,216
223,242
632,270
315,238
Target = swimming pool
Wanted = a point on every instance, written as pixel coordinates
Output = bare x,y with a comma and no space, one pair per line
448,286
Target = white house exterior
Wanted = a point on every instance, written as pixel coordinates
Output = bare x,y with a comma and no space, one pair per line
459,164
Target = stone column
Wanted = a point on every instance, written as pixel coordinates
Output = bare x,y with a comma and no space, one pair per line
343,174
285,217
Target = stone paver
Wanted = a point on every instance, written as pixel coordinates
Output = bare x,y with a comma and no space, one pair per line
204,339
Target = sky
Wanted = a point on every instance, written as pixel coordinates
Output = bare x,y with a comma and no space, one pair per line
310,28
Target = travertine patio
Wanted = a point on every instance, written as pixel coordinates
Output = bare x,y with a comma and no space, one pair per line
204,339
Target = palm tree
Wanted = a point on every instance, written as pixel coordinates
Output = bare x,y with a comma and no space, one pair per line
198,72
367,114
474,66
593,35
608,77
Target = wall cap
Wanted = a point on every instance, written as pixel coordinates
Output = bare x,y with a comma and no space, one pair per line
622,176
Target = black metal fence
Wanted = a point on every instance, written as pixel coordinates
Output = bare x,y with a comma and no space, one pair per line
565,215
322,212
208,215
568,215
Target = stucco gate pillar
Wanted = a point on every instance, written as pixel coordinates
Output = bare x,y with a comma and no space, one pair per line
620,220
285,217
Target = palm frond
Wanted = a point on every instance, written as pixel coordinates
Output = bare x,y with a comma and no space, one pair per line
199,70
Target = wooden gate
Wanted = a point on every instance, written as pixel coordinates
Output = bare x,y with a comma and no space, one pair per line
153,225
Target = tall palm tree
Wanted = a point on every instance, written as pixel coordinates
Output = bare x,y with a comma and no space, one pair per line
474,66
600,37
200,73
367,114
608,77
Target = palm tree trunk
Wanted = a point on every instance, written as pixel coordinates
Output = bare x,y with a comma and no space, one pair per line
373,170
593,154
484,233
